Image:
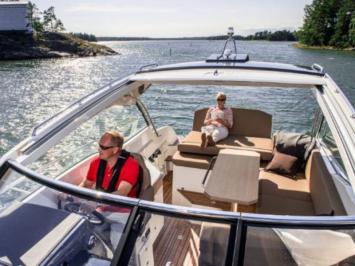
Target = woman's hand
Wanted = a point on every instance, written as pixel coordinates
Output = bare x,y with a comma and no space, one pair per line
222,122
208,122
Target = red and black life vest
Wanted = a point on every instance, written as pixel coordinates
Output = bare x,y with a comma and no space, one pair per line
115,175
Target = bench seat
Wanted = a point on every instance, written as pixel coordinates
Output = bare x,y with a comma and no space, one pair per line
274,184
191,160
273,204
191,144
312,194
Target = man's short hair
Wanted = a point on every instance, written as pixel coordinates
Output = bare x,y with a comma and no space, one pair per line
116,138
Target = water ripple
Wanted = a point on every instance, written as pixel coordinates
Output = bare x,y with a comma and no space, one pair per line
33,90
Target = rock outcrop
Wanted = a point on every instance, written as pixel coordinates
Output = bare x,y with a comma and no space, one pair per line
16,46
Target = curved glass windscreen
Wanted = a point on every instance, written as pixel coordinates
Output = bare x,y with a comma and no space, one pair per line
51,227
83,141
89,232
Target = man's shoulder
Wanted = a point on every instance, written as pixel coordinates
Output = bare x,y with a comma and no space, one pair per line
95,160
132,161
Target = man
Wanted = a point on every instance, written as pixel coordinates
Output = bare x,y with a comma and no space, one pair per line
113,171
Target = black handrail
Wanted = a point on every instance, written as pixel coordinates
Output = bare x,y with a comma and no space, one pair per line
65,187
180,211
239,222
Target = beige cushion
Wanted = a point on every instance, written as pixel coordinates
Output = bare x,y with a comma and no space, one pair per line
192,142
283,164
324,193
191,160
280,186
269,204
246,122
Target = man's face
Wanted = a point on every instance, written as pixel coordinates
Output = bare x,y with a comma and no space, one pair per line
106,149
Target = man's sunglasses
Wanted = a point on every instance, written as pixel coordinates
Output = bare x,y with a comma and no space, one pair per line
221,100
104,148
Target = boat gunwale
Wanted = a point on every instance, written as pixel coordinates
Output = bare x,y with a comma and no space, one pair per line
226,217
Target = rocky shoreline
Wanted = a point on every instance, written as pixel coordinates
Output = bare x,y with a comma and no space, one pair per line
18,46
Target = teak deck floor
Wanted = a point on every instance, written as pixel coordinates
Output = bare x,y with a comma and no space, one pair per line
177,243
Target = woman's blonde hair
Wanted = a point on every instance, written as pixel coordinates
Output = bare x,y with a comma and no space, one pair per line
221,94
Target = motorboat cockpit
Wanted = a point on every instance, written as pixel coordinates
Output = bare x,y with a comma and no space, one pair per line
222,205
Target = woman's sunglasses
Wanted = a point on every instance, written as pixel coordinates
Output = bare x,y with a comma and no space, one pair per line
221,100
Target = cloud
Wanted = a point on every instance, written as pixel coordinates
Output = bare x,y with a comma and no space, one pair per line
110,8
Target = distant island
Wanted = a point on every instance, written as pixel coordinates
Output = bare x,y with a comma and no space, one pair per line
282,35
42,36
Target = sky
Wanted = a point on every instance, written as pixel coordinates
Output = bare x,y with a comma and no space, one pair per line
176,18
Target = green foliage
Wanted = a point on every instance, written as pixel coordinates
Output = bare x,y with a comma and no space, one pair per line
58,26
34,17
281,35
352,31
328,22
44,21
49,19
85,36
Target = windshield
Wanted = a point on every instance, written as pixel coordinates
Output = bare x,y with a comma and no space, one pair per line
108,229
292,108
83,142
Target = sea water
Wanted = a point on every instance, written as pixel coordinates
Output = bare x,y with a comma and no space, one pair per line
33,90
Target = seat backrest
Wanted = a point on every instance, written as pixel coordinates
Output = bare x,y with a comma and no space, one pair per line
246,122
144,188
324,194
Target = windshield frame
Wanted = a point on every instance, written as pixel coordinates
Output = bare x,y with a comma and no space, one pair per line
239,221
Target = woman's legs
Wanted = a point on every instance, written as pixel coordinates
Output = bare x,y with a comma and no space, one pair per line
206,135
219,133
212,134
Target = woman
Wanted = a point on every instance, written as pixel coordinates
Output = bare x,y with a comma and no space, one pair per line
217,122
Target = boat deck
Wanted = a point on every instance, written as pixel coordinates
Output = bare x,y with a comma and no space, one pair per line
177,242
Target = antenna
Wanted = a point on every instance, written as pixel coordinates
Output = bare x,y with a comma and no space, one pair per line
228,52
227,55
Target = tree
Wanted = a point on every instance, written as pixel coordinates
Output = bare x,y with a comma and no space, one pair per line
342,34
49,19
329,22
34,17
352,30
319,22
58,26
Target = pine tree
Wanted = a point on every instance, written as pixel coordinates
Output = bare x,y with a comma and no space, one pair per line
34,17
58,26
342,34
49,19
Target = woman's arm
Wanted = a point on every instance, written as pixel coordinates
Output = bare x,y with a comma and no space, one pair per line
208,119
228,116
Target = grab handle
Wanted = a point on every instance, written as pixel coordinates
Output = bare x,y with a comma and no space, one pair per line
209,169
